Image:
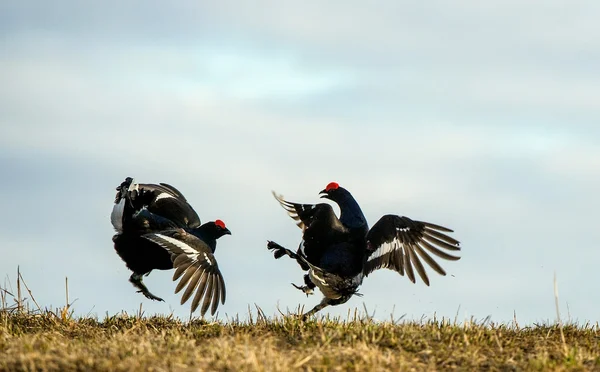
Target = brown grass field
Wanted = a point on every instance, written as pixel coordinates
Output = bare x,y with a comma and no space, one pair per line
44,340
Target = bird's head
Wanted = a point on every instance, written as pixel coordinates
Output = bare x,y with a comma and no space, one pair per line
350,213
218,229
209,232
332,191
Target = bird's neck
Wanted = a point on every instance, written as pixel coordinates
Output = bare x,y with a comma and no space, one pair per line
351,215
206,236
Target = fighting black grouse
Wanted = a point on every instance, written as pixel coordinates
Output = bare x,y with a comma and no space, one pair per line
158,229
339,252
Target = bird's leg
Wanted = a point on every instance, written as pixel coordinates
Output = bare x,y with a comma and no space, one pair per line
136,280
280,251
308,287
324,303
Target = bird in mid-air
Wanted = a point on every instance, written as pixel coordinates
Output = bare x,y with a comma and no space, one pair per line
156,228
339,253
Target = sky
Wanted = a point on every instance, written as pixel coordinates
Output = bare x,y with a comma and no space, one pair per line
480,116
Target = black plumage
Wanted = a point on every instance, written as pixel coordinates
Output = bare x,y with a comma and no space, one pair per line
339,252
156,228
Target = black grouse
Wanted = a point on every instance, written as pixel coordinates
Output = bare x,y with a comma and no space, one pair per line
339,252
158,229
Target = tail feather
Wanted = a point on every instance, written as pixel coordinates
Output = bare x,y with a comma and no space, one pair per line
123,190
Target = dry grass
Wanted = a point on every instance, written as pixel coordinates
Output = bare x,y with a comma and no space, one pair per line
36,339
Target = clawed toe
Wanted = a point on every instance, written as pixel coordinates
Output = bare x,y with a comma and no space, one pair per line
273,245
307,290
150,296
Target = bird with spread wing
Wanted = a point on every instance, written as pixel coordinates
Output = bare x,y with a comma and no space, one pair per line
156,228
339,253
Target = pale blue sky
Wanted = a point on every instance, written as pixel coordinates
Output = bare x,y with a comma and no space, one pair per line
483,117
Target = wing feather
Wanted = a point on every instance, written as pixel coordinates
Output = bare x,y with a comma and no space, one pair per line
303,214
435,241
173,191
408,267
440,236
201,289
418,265
186,278
181,268
195,267
399,243
209,293
216,294
429,260
195,279
222,288
438,252
182,260
320,226
399,261
436,227
162,200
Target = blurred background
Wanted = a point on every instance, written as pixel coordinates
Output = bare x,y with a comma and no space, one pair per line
482,117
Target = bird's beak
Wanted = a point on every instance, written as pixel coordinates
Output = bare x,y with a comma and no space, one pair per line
227,232
324,194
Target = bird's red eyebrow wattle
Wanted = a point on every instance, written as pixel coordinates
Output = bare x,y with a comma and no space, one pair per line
220,223
332,186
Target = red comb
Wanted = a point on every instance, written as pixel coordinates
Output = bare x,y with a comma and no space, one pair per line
220,223
332,186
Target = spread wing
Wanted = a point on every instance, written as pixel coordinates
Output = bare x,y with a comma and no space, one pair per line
163,200
165,187
321,227
301,213
197,267
401,244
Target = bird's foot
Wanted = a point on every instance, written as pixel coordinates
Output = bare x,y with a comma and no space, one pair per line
150,295
306,289
136,280
279,251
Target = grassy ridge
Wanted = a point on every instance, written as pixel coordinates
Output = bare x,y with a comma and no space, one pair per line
56,341
32,338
